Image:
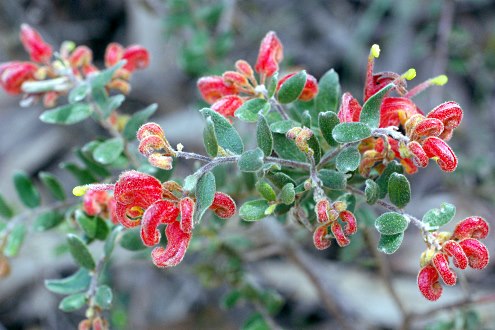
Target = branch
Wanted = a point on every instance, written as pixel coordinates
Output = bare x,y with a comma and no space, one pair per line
331,154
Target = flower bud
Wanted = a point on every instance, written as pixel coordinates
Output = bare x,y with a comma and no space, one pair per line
337,231
82,55
213,88
310,88
33,43
441,264
120,85
453,249
428,283
113,54
235,78
223,205
476,252
427,127
84,325
14,74
177,243
320,237
158,213
187,208
270,55
150,144
471,227
419,156
100,324
227,105
350,222
244,68
339,206
150,129
137,58
349,110
438,149
322,207
95,201
449,113
161,161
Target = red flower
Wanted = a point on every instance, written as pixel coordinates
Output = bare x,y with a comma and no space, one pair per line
223,205
428,283
137,57
270,55
177,243
227,105
37,48
213,88
14,74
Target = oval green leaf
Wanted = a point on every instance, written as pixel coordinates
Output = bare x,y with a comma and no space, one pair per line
391,223
73,302
288,194
439,217
399,190
5,209
264,136
388,244
205,193
53,185
253,210
332,179
67,114
292,88
251,160
137,120
382,181
26,190
329,92
108,151
15,240
348,160
248,112
131,240
209,138
103,297
327,122
370,113
79,251
282,126
77,282
266,190
47,220
351,132
371,191
227,136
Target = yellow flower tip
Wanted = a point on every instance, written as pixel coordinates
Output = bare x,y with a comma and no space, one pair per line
410,74
375,51
440,80
79,190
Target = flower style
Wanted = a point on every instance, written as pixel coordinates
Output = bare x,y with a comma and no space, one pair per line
465,249
327,216
228,92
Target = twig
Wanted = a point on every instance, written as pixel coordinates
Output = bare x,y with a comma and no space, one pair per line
287,162
279,108
333,153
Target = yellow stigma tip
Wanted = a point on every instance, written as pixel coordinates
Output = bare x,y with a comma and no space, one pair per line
375,51
79,190
410,74
440,80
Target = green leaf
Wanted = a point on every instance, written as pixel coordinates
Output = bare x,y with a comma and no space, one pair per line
333,179
82,175
253,210
391,223
399,190
248,112
137,120
390,243
255,322
88,224
100,79
251,160
348,160
26,190
327,122
264,136
329,92
112,103
370,113
205,193
79,93
382,181
315,146
288,194
266,190
5,209
15,240
227,135
79,251
231,298
209,138
103,297
108,151
47,220
190,182
306,119
279,179
372,191
53,185
131,239
73,302
110,241
272,85
282,126
286,148
351,132
77,282
292,88
439,217
67,114
102,229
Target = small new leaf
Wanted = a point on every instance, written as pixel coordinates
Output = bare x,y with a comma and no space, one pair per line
372,191
73,302
103,297
288,194
391,223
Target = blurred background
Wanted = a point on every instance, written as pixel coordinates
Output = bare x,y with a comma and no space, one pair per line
191,38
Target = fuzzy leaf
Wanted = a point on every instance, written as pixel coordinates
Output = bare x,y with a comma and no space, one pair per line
327,122
286,148
315,146
279,179
372,191
137,120
348,160
391,223
88,224
100,79
287,194
227,135
248,112
264,136
47,220
251,160
253,210
399,190
329,92
79,93
77,282
15,240
5,209
351,132
282,126
79,251
205,193
209,138
439,217
103,297
108,151
272,85
333,179
382,181
370,113
73,302
266,190
26,190
292,88
53,185
390,243
67,114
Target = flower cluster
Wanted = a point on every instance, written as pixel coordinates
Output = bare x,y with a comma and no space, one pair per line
424,137
49,75
142,200
328,215
99,203
154,146
463,246
228,92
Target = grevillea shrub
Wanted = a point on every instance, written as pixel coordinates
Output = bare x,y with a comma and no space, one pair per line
318,153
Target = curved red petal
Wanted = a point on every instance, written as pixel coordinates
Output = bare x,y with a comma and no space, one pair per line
177,243
137,58
428,283
419,156
453,249
223,205
137,189
213,88
441,264
435,147
428,127
227,105
113,54
350,221
320,239
477,253
394,111
471,227
33,43
350,109
187,208
337,231
450,113
158,213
